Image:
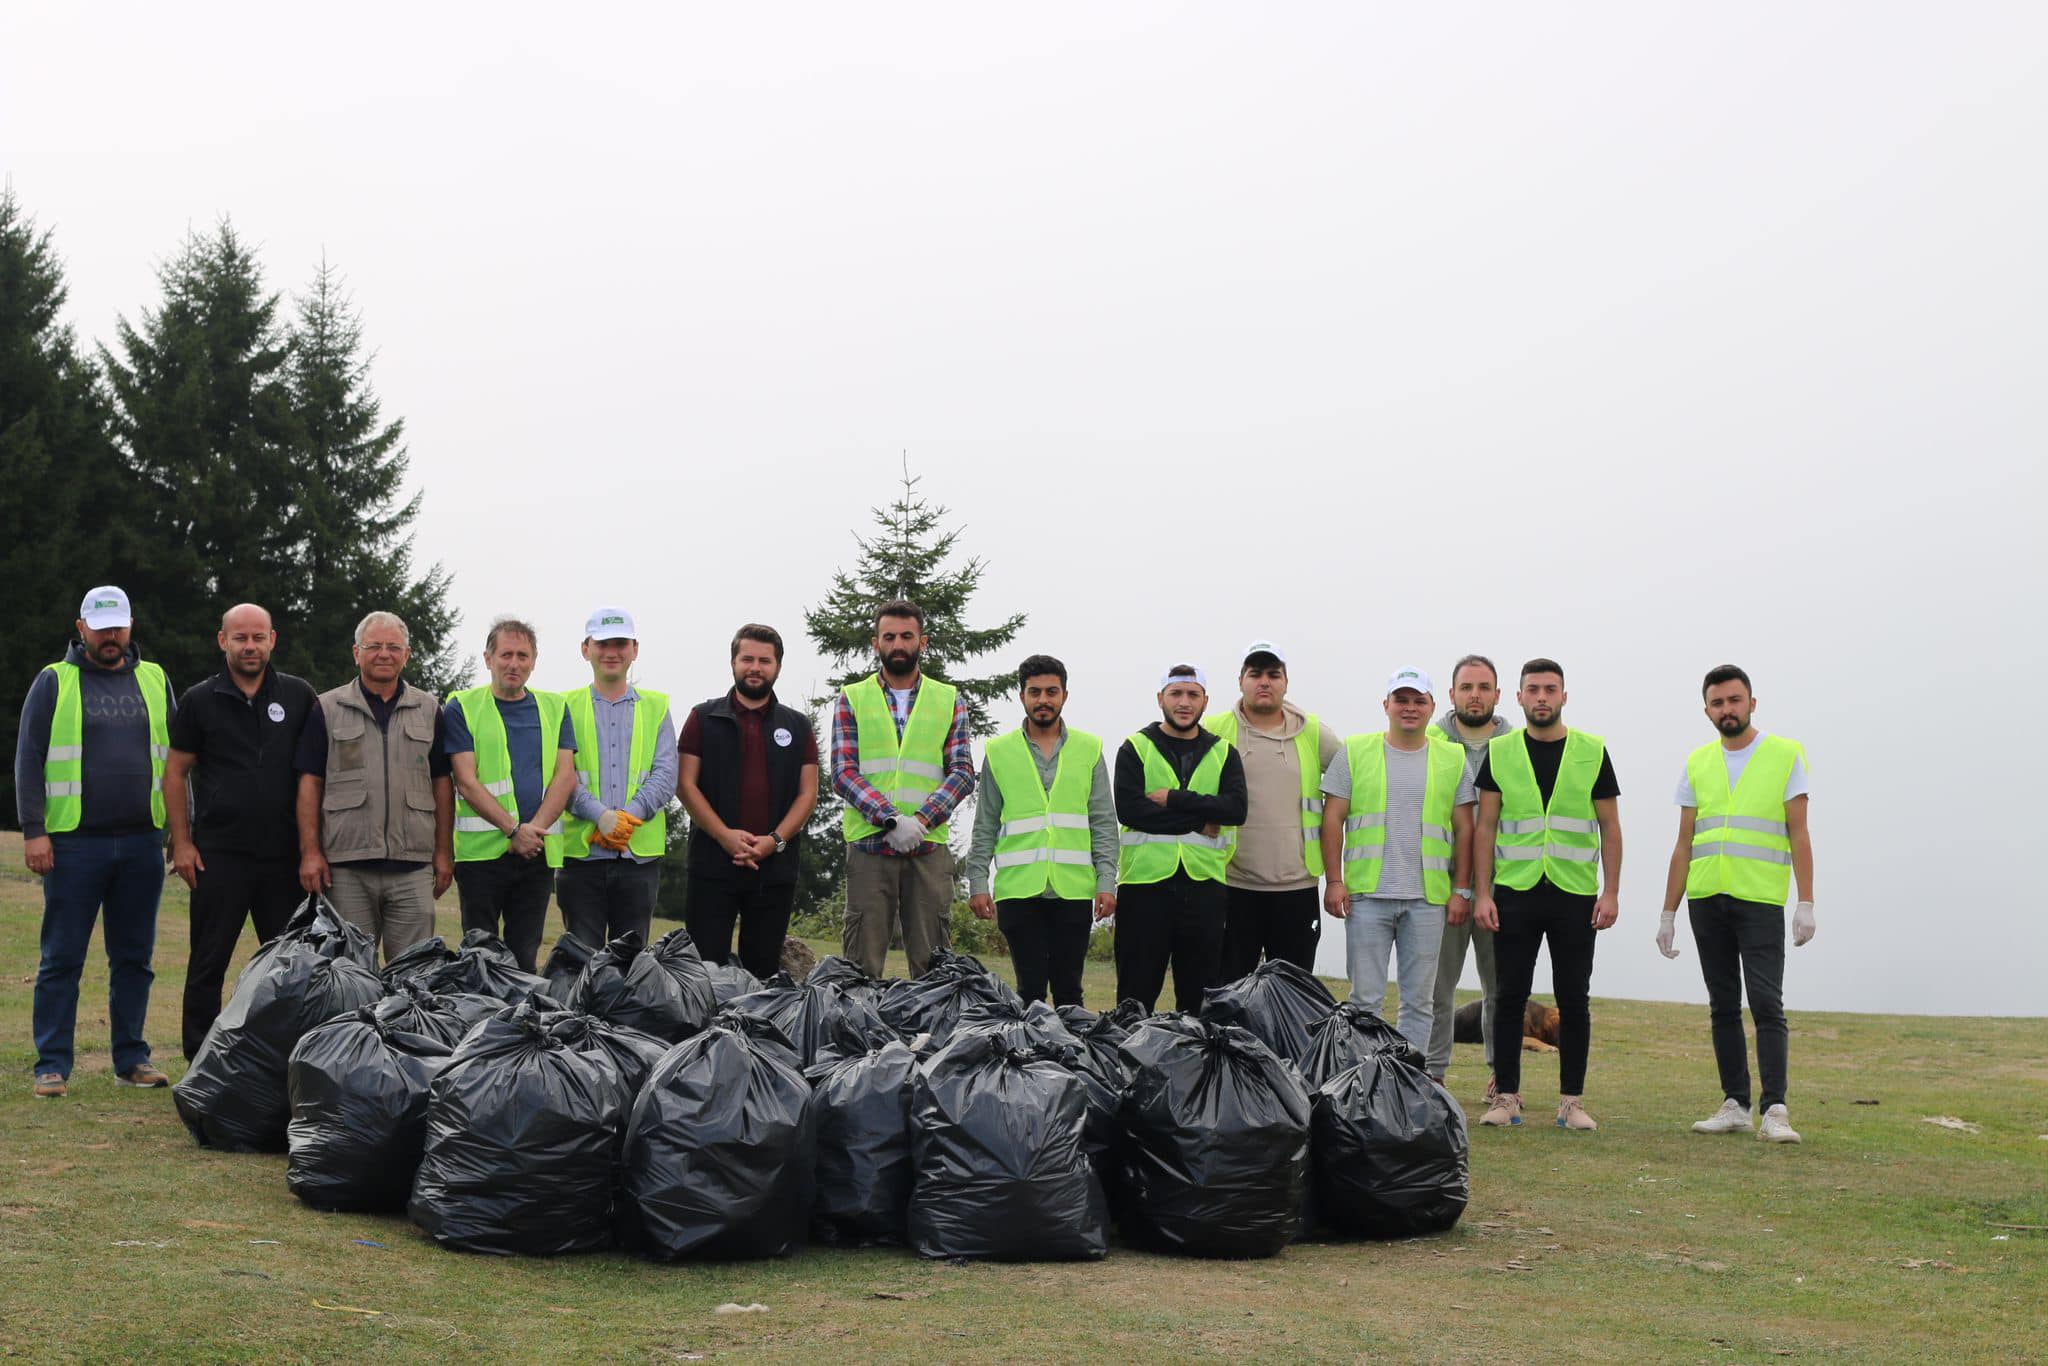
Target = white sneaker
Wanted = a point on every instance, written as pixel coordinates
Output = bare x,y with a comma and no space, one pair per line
1777,1127
1732,1117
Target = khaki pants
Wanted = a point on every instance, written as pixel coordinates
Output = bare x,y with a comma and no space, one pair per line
880,889
395,906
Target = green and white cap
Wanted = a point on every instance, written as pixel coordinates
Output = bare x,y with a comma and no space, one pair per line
105,608
610,623
1414,679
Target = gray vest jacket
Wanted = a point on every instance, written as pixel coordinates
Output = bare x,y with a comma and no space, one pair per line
379,800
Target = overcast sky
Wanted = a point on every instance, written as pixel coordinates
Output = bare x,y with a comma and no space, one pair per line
1642,336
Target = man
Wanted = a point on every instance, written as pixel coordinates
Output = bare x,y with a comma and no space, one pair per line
1272,911
1042,861
750,782
901,761
1742,839
1470,720
1178,789
616,832
376,807
1548,812
236,841
88,788
1397,838
512,754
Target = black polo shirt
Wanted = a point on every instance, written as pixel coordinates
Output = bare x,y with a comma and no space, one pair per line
244,786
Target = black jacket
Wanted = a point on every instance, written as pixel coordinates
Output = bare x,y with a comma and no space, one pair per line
1184,812
718,778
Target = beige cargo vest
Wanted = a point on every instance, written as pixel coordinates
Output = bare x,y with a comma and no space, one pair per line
379,800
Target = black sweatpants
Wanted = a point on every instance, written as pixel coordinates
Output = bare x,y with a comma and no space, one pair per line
1743,943
1527,919
1283,925
233,888
1048,943
761,911
1179,921
508,896
603,898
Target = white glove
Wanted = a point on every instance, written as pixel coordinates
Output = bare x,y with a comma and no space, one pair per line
1667,930
905,835
1802,923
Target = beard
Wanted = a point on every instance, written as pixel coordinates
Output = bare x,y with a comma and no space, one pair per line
1732,725
1471,715
754,689
900,663
249,668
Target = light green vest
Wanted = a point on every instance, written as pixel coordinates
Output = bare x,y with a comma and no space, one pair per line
476,839
1043,840
1143,857
650,840
1365,828
64,763
1308,754
905,771
1560,841
1741,845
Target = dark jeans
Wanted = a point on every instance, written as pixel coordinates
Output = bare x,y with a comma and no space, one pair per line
508,896
1283,925
1743,943
761,912
1179,920
603,898
1048,943
233,888
125,875
1526,920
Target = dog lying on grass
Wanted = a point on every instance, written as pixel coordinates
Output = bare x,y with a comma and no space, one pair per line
1539,1026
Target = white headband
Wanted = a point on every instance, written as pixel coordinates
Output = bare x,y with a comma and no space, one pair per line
1200,679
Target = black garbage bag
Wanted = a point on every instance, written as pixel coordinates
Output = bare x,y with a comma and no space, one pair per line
1101,1034
631,1051
930,1004
564,965
1040,1030
1215,1141
820,1021
358,1089
843,974
721,1151
1390,1150
522,1132
445,1015
417,962
1346,1037
1278,1001
625,984
483,941
730,980
1001,1169
485,967
235,1094
677,954
863,1107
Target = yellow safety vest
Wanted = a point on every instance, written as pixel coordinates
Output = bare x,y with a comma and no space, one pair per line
650,839
1365,827
905,771
476,839
64,762
1560,840
1741,845
1308,753
1043,839
1143,857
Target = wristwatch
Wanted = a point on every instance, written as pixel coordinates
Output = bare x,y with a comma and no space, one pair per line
780,844
1465,892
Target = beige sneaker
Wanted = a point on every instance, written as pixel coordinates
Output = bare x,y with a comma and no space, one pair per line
1505,1111
1571,1114
1731,1118
1777,1127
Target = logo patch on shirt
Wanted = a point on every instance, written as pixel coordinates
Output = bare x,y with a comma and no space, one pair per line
783,737
276,711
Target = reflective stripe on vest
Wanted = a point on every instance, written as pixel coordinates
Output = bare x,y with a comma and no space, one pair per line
1561,840
476,839
1308,755
1741,845
1143,857
64,761
905,771
1043,839
650,840
1365,827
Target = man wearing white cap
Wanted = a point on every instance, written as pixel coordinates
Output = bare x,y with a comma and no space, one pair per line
616,830
1277,853
1178,789
88,787
1397,833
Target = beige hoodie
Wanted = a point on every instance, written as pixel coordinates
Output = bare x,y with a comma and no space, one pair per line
1268,857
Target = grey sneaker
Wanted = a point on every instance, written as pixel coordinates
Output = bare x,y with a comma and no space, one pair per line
50,1086
1732,1117
143,1074
1777,1127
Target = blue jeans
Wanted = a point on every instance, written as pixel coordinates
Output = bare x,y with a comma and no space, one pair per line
125,874
1412,932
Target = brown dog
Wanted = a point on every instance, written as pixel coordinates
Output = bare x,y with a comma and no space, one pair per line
1539,1026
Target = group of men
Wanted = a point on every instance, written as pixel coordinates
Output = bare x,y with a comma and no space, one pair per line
1204,850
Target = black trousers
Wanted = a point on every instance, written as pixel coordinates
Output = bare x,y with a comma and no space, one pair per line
603,898
761,912
1178,921
1743,943
1048,943
1527,919
1283,925
508,896
233,888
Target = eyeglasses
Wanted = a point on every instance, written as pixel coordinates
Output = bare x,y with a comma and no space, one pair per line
379,647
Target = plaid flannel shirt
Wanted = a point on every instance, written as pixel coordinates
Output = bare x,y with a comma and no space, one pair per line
862,795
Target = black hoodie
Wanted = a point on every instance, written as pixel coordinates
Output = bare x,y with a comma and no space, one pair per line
115,731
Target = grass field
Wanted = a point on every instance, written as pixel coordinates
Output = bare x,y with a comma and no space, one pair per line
1882,1238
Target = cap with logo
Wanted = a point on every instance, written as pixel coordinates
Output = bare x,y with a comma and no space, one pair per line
1264,648
610,623
1415,680
1168,678
106,608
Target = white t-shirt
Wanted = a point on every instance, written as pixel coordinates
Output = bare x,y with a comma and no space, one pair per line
1737,760
899,707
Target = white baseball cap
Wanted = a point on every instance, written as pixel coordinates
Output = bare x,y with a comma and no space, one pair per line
1264,647
1413,679
1167,678
105,608
609,623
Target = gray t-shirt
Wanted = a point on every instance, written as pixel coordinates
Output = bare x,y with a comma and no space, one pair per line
1407,777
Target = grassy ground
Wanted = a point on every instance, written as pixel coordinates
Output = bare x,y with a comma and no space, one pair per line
1880,1239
